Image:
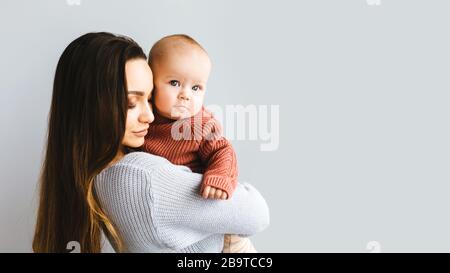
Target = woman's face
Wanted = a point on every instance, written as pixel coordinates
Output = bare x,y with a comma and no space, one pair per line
139,116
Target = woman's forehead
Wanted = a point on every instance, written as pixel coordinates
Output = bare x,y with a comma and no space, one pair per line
139,76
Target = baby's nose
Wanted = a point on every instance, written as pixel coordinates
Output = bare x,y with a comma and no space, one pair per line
184,96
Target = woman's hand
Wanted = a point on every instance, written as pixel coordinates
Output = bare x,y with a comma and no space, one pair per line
214,193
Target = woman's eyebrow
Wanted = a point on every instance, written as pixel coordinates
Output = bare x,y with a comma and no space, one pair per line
139,93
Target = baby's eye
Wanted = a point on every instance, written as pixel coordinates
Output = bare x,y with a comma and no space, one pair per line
196,88
174,83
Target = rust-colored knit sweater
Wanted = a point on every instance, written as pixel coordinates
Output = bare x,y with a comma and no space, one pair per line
201,147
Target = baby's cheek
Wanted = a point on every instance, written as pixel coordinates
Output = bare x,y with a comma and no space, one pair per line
162,101
197,107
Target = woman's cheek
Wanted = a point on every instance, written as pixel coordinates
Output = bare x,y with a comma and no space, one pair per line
131,119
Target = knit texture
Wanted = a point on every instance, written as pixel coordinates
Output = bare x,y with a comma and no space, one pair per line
199,145
156,207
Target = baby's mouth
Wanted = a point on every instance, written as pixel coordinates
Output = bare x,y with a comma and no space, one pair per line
182,107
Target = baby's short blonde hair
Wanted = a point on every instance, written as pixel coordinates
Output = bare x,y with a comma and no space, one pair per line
162,46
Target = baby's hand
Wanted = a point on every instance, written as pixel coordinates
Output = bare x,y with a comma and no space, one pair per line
214,193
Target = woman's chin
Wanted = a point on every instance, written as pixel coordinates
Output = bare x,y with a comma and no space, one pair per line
135,143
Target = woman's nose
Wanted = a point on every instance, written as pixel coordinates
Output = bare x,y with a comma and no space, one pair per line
147,115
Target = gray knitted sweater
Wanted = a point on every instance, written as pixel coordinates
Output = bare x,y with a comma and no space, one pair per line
156,207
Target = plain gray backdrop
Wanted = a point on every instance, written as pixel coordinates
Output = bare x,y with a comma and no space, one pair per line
363,91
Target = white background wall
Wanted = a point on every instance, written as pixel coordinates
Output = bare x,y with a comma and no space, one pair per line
363,92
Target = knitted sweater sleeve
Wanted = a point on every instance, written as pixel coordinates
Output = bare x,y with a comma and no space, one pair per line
219,158
182,217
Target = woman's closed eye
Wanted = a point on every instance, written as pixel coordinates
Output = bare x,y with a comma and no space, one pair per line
131,104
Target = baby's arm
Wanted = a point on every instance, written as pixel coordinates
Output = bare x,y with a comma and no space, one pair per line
216,152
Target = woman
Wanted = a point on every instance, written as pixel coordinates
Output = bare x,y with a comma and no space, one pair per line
93,179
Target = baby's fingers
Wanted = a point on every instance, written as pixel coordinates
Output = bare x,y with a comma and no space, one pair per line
218,194
212,192
224,196
206,191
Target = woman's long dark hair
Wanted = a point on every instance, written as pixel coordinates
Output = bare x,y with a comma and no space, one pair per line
86,126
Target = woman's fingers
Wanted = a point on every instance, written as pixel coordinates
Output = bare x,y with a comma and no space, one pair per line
205,193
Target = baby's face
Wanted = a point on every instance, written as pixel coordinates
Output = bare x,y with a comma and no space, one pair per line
180,80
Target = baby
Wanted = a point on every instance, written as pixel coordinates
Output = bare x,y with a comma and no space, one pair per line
181,69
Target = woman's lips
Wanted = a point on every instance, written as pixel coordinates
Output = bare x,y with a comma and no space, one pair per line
141,133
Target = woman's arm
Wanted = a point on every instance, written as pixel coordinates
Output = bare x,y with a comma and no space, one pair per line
181,214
